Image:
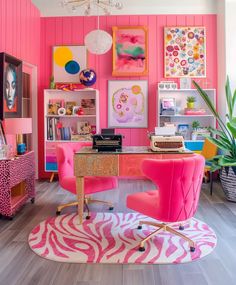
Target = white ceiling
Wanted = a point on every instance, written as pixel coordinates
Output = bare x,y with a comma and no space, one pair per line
51,8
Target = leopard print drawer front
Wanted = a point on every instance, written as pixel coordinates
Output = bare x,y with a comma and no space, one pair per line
12,172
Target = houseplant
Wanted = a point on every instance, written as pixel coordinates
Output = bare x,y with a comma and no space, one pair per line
190,102
225,139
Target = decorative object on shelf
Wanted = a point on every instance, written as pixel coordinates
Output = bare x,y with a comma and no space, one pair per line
200,133
69,86
52,83
168,106
185,51
83,128
167,85
194,112
68,61
88,77
69,107
225,141
91,7
88,103
130,51
54,105
127,103
185,83
18,127
190,102
183,130
195,125
61,111
10,86
80,111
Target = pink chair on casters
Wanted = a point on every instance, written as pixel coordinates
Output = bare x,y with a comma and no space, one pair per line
176,199
65,160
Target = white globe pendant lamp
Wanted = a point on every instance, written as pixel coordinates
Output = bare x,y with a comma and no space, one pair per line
98,41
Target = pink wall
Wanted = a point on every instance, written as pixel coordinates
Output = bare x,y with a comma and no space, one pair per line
71,30
20,29
20,33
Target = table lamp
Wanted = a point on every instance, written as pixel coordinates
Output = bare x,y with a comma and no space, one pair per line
18,127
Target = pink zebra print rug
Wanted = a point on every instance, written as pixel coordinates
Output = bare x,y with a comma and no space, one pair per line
114,238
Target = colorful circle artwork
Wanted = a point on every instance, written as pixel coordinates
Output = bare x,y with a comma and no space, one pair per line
128,104
72,67
185,52
68,61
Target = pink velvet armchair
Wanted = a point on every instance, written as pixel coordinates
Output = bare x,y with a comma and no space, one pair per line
176,198
65,160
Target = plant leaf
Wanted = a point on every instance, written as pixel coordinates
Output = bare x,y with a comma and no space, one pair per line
228,97
234,101
220,143
232,127
225,161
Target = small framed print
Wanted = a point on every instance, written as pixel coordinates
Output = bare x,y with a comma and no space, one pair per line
185,83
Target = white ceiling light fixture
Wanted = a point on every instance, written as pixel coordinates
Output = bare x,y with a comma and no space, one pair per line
97,41
92,6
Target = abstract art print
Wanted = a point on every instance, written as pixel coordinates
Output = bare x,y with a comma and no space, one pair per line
127,103
130,51
68,61
10,86
185,52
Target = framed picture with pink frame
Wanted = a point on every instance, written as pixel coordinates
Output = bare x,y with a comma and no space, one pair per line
130,51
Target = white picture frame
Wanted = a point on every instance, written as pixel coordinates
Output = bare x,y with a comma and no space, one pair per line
127,104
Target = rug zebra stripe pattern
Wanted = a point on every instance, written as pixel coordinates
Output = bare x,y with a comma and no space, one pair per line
114,238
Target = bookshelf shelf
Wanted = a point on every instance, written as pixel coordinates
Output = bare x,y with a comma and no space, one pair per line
68,128
183,121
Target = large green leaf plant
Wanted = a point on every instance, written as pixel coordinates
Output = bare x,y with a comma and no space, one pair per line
225,136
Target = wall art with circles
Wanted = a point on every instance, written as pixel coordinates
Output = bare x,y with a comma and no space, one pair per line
68,61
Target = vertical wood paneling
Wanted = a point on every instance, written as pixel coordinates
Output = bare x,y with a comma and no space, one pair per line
73,29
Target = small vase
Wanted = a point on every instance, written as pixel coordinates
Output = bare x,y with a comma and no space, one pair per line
190,105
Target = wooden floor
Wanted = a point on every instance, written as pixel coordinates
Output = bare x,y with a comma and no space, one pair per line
19,265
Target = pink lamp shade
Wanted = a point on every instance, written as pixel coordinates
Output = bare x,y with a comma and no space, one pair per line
17,126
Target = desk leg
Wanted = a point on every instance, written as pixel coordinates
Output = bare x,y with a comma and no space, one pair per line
80,197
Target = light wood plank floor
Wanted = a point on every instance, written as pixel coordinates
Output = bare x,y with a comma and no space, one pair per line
20,266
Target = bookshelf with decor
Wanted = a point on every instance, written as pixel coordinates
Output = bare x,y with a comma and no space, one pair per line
69,116
191,120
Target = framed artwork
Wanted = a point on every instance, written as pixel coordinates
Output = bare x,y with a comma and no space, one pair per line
130,51
127,104
10,86
185,51
68,61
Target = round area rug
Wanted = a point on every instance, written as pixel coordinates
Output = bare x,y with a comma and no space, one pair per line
114,238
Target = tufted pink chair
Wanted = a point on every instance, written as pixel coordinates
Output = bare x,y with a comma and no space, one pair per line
176,198
65,160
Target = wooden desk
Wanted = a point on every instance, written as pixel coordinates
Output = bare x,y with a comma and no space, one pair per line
89,162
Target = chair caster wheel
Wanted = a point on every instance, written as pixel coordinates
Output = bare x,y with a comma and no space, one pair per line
58,213
181,228
87,217
32,200
139,227
111,208
192,249
141,248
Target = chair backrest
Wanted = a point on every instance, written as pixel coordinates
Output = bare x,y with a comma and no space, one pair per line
179,183
209,149
65,157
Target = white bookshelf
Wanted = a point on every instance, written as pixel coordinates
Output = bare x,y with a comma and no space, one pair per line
68,122
180,97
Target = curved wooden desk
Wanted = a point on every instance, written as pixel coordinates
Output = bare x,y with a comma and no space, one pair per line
89,162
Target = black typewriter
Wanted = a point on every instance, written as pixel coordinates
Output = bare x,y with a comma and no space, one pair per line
107,141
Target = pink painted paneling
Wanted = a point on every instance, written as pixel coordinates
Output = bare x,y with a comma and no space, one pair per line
20,30
72,30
